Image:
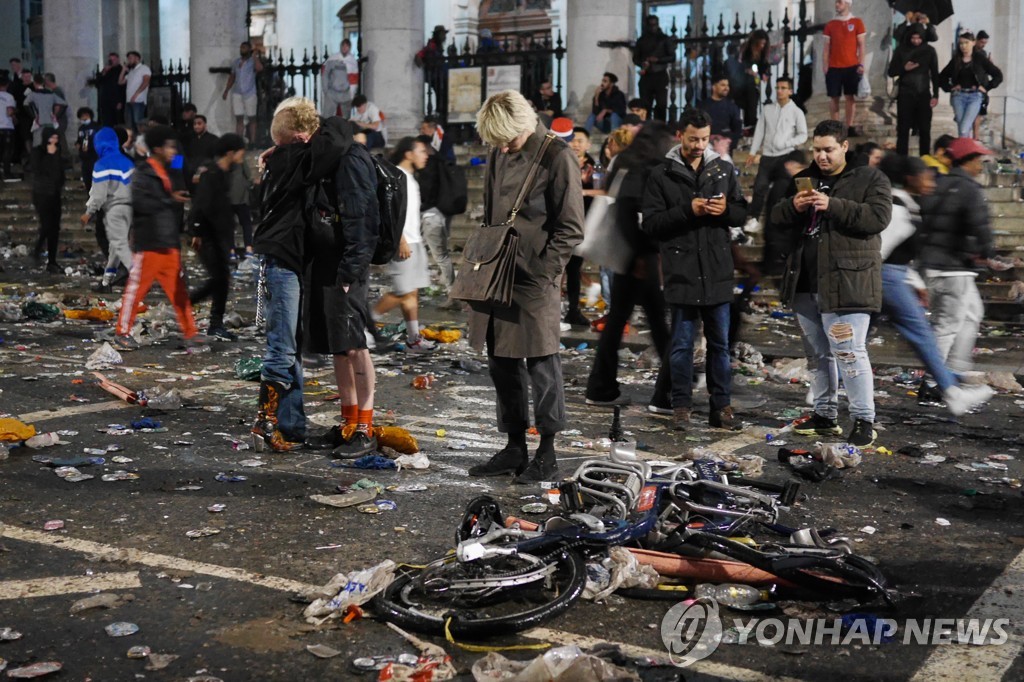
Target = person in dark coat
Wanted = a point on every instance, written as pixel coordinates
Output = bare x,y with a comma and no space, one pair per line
916,65
690,203
47,183
608,107
654,53
110,91
522,340
212,227
641,284
726,116
833,279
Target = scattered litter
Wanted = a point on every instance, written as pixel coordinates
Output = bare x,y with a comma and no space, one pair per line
249,369
416,461
251,463
346,589
202,532
373,663
349,499
869,530
103,600
371,461
534,508
9,635
932,459
560,664
120,475
216,508
104,357
943,522
377,507
53,525
121,629
322,651
43,440
138,652
34,670
160,661
230,478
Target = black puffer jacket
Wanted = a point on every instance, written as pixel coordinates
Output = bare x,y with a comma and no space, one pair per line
849,248
289,172
956,231
696,255
156,222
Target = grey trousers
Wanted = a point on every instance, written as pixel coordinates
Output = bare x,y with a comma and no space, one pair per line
118,221
434,226
511,377
957,312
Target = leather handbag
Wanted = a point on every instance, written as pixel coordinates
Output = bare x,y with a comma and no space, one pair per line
487,275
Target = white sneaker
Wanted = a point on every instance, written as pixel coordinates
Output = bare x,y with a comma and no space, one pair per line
752,226
564,327
962,399
420,345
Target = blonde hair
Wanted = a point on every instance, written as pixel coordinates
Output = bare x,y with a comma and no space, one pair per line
504,117
294,115
622,137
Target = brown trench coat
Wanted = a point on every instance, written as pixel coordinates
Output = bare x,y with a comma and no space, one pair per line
550,224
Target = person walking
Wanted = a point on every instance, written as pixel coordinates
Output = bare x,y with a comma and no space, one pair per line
780,130
47,183
833,216
690,203
409,269
156,243
522,340
212,226
434,224
903,290
110,201
956,242
968,76
916,65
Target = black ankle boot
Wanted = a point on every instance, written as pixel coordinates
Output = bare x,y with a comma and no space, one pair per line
543,467
509,461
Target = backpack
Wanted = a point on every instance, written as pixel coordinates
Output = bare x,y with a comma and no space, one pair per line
392,199
452,189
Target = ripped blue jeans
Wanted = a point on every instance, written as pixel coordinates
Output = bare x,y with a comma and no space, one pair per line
836,344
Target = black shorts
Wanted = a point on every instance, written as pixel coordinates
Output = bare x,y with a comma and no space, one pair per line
843,81
336,320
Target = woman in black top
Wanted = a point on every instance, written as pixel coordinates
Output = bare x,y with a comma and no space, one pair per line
756,70
968,76
47,182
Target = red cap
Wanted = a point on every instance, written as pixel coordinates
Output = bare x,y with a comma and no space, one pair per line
963,147
562,127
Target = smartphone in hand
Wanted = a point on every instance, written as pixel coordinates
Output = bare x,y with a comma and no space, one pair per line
804,184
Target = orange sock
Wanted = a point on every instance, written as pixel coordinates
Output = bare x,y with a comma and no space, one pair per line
364,422
350,413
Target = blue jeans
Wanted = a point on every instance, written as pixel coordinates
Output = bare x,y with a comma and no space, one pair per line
282,360
834,342
134,114
904,309
966,106
719,371
605,125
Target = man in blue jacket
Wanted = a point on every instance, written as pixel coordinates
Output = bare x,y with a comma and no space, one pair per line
111,196
690,203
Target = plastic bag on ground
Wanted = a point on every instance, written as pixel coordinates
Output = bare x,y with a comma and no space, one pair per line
103,357
160,398
626,572
434,664
790,369
417,461
355,588
561,664
248,369
839,455
1003,381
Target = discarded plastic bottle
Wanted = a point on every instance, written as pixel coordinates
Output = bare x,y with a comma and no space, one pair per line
423,381
731,594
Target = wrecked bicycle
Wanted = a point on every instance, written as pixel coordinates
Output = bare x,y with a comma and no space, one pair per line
507,574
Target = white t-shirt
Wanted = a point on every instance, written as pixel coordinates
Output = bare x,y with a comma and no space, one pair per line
6,100
411,230
370,115
132,82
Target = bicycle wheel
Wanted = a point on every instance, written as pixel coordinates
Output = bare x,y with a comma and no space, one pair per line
492,596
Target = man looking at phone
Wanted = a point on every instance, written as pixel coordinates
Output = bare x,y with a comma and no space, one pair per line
690,203
833,216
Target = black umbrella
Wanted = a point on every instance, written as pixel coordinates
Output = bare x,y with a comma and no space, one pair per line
937,10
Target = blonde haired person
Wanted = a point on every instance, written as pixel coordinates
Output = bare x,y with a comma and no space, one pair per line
522,340
299,159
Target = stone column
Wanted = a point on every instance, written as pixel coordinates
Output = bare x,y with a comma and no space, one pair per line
588,22
294,25
392,34
216,27
71,46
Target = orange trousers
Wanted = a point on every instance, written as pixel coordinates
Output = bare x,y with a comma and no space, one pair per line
164,266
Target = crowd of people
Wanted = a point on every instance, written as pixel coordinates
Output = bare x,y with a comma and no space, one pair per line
851,232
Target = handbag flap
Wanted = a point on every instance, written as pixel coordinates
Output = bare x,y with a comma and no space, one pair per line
484,245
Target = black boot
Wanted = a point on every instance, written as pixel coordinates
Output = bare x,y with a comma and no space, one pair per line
510,460
543,467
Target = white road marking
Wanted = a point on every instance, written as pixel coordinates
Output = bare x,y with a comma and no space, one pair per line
163,561
68,584
703,667
1004,598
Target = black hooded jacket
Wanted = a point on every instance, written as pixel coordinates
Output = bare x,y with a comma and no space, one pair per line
922,81
289,172
47,169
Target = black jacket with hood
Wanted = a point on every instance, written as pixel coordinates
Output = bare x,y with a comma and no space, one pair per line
289,171
922,81
156,223
345,216
696,252
956,229
47,169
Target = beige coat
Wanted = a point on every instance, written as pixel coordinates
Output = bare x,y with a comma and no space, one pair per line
550,224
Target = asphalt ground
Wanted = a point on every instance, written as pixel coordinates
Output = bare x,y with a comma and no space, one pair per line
224,604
